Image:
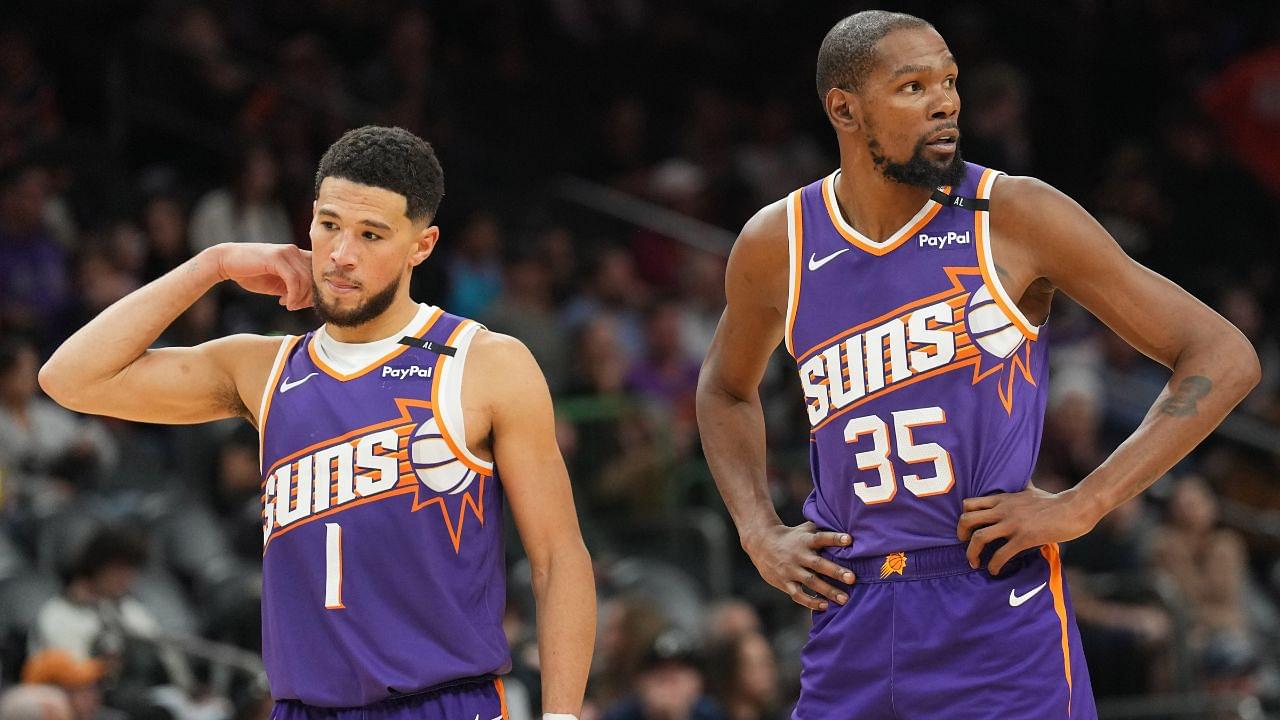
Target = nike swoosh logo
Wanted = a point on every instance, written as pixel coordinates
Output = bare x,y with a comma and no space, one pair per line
815,263
1015,599
286,386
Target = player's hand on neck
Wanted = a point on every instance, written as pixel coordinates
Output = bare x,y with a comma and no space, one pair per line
280,270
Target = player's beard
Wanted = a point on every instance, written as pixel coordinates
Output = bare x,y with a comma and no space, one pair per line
371,308
918,171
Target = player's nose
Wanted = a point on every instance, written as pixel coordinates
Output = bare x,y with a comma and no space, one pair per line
343,252
946,104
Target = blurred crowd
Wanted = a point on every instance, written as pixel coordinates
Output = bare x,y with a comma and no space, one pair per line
134,134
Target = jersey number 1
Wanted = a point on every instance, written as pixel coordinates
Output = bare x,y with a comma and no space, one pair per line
877,458
333,567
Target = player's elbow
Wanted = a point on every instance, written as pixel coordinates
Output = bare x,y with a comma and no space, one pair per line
1239,370
58,382
567,561
1247,368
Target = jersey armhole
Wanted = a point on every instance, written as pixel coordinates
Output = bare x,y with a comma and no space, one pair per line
795,255
268,391
446,398
986,263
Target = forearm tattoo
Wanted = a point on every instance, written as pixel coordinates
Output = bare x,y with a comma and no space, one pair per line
1184,399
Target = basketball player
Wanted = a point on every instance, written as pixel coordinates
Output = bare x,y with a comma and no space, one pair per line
912,289
382,435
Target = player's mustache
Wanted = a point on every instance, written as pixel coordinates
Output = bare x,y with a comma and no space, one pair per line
950,126
335,275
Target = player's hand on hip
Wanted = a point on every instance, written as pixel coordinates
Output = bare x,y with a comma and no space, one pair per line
1026,519
269,269
788,559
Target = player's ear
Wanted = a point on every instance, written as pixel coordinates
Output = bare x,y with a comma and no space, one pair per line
424,243
843,109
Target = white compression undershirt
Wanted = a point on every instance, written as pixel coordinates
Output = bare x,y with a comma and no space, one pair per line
350,357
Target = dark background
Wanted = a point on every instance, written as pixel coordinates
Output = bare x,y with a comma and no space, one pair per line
134,133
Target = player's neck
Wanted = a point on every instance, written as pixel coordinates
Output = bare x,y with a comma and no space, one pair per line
872,203
383,326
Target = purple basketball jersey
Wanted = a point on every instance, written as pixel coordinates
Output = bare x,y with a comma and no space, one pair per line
924,383
383,566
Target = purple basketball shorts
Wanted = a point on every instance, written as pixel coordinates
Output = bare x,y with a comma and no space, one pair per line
925,636
466,701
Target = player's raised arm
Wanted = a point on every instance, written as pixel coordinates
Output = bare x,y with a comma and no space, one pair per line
106,367
1213,365
536,483
731,420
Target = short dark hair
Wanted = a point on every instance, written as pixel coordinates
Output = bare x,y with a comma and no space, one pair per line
107,546
848,51
390,158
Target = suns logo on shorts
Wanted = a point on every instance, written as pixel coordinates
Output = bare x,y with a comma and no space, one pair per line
406,455
894,564
957,327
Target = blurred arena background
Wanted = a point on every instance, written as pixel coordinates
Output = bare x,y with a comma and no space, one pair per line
599,157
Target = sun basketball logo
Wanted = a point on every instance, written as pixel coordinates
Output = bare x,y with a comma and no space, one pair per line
434,461
990,327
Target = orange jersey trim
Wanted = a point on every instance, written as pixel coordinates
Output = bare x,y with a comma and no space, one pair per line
1051,554
795,206
435,398
925,215
981,219
315,356
502,697
270,390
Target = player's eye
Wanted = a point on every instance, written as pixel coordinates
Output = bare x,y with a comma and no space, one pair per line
372,236
328,225
912,86
949,83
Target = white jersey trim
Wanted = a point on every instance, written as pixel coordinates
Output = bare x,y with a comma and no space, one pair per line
448,405
1028,328
794,253
277,367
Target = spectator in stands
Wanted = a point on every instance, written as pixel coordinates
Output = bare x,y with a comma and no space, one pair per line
33,266
35,702
247,210
95,617
42,445
744,677
730,619
665,372
628,629
1207,566
78,678
995,119
29,114
669,685
1126,629
475,268
613,288
526,310
164,224
778,158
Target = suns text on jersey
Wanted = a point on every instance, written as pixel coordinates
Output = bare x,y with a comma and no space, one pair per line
881,357
345,472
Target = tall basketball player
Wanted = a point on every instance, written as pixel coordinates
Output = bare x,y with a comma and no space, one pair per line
913,290
383,434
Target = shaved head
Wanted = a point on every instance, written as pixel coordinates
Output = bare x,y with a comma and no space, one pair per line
848,51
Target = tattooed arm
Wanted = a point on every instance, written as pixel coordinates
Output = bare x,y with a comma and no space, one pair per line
1043,239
